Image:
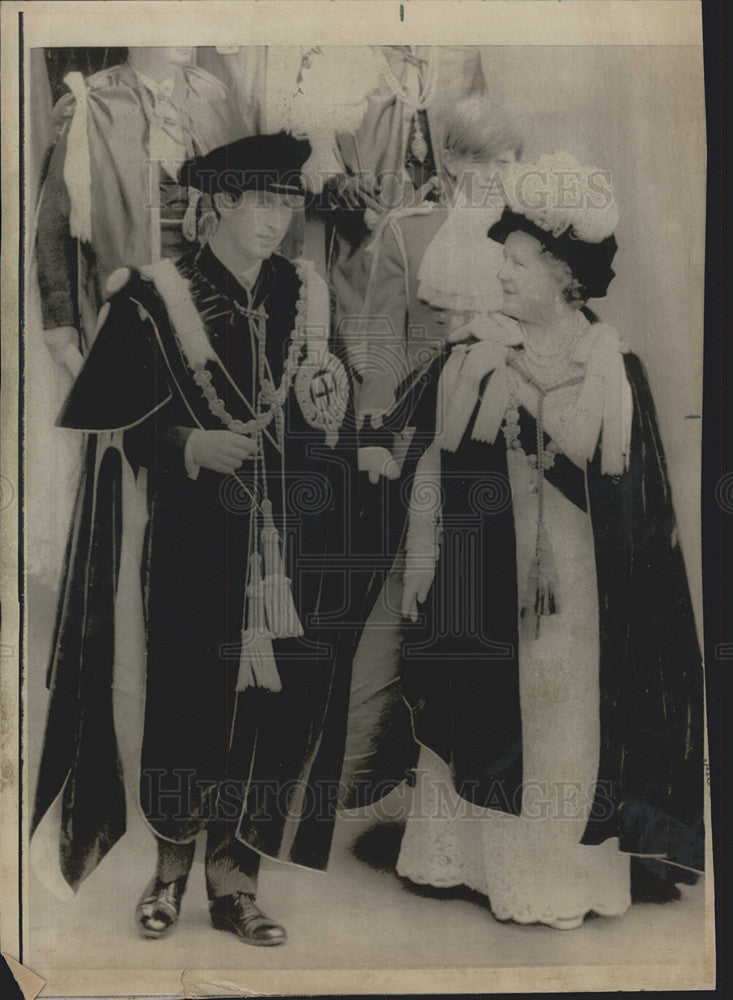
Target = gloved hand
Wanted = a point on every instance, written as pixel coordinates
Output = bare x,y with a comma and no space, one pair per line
63,343
415,588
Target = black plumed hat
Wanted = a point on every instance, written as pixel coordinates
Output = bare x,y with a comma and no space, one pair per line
257,163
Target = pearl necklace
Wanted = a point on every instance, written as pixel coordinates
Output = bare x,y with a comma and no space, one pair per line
548,369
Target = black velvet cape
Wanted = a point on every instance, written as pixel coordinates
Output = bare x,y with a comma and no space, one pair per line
204,746
458,668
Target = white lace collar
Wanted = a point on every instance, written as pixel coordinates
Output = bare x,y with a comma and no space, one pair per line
460,266
602,411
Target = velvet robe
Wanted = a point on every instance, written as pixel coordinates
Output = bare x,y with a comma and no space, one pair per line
457,669
279,750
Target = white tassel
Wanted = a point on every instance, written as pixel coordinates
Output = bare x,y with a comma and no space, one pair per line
450,433
281,615
188,225
257,665
77,169
602,410
245,678
458,393
541,589
493,407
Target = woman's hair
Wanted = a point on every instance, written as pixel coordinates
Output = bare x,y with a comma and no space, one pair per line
573,290
477,126
584,265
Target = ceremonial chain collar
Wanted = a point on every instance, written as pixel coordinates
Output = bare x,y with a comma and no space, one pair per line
273,399
556,373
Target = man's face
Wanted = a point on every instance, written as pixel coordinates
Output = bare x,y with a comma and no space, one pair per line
161,55
256,223
479,179
179,55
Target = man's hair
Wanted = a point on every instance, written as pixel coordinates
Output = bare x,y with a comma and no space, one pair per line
479,127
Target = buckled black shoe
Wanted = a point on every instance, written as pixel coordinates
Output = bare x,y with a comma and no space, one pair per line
240,915
159,907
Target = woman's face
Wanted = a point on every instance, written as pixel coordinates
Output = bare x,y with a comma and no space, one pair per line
530,280
479,180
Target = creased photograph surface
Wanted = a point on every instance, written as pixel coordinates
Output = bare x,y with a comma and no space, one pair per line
359,403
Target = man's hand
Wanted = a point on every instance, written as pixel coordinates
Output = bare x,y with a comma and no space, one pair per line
377,462
221,451
415,588
376,396
357,192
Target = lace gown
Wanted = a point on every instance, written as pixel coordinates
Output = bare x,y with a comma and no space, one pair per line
532,866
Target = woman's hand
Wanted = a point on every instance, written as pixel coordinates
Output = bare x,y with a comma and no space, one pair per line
415,589
221,451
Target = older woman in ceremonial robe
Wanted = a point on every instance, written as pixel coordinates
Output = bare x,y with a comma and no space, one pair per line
555,681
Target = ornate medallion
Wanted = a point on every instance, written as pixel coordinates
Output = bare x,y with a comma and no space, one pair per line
322,390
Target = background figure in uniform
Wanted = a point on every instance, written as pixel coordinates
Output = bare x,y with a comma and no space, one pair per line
374,117
426,270
109,197
215,376
429,268
395,156
400,138
241,68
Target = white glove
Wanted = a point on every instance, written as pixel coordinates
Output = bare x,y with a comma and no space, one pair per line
415,588
63,343
377,462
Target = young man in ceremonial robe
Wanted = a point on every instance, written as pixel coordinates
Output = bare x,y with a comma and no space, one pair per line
214,375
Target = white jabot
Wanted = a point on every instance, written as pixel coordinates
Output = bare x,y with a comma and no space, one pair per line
160,89
460,266
164,147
